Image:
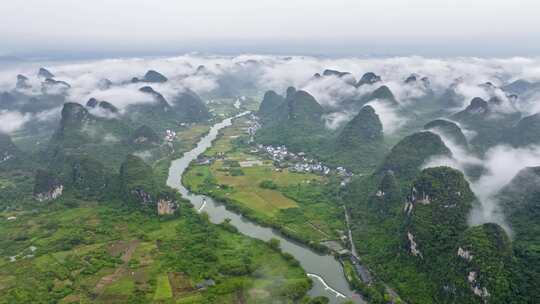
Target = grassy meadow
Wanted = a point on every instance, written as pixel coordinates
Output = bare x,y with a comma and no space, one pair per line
293,202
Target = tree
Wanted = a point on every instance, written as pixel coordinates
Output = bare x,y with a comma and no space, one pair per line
274,244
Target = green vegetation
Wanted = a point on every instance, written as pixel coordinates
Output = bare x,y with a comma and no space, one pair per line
449,129
270,103
420,243
520,201
524,132
363,129
302,206
97,242
105,252
491,128
163,288
144,136
360,142
296,123
409,154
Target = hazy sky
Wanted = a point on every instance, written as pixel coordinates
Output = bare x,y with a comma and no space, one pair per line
332,27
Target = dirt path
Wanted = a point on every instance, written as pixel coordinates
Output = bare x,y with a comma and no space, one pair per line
119,271
318,229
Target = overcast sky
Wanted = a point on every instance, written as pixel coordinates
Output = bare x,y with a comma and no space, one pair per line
324,27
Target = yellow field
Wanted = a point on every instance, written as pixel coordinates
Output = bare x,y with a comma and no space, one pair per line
191,135
264,200
309,219
247,190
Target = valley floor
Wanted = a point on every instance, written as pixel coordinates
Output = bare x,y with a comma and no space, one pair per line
78,251
295,203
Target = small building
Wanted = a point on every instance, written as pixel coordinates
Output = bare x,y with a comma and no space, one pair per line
205,284
343,253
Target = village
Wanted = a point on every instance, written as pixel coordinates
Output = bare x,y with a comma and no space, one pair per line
294,162
281,157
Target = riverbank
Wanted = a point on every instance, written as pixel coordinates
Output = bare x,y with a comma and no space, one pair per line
313,262
301,206
249,214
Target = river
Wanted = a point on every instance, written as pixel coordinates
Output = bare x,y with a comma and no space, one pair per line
325,271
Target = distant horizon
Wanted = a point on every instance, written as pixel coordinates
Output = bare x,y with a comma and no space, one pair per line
446,28
68,54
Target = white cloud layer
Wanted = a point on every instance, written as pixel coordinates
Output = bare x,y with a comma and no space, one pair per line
206,74
500,164
11,121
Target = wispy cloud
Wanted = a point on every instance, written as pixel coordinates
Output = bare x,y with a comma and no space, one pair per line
11,121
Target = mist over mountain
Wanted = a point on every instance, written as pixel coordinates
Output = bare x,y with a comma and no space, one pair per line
433,158
307,152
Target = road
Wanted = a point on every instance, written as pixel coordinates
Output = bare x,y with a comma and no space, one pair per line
364,273
355,259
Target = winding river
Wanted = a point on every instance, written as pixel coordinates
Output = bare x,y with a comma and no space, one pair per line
325,271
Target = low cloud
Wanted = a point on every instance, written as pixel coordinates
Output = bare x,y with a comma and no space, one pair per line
389,116
499,165
11,121
206,75
120,97
502,163
48,115
337,119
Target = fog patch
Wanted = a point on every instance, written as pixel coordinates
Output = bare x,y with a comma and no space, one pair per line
145,155
120,97
329,91
337,119
500,165
11,121
48,115
388,115
110,138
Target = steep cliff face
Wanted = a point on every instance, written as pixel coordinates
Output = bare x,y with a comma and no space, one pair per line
140,189
47,186
137,181
80,133
73,115
190,106
484,258
88,176
436,211
296,123
269,104
387,195
360,143
167,204
74,118
467,264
